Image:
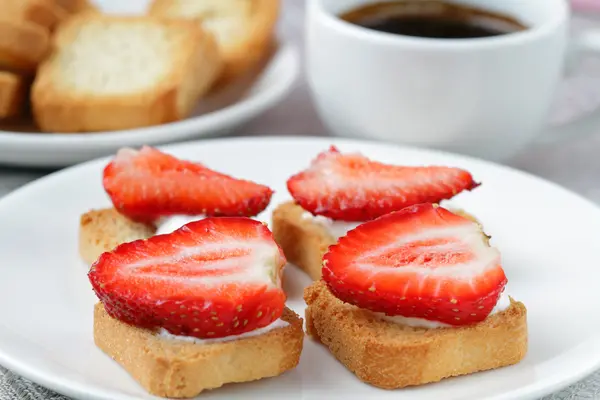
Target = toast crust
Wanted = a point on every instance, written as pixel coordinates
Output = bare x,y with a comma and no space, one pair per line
392,356
303,242
13,94
23,45
194,65
244,56
182,369
45,13
104,229
75,6
248,50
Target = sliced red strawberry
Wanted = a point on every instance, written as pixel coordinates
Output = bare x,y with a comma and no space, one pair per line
420,262
147,184
350,187
211,278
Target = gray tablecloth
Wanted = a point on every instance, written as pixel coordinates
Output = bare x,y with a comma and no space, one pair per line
574,164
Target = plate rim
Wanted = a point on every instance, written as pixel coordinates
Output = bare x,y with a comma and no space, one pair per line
77,390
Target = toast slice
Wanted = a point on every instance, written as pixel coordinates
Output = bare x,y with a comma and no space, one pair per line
103,230
181,369
303,241
244,29
75,6
23,45
13,94
45,13
391,356
122,72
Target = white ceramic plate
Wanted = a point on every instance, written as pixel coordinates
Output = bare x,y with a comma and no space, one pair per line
217,114
548,236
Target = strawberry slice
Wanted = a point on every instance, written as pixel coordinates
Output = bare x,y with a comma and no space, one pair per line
420,262
351,187
148,184
211,278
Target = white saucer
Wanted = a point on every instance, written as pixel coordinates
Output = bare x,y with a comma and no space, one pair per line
216,114
548,237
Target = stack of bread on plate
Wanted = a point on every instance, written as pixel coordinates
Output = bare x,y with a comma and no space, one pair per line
26,27
80,70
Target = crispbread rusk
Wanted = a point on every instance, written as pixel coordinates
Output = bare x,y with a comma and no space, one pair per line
13,94
244,29
119,72
305,242
45,13
23,45
391,356
181,369
104,229
75,6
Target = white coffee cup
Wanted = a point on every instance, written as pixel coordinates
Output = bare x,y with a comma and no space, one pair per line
487,97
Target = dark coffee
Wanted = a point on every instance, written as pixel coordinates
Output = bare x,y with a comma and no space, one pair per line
432,19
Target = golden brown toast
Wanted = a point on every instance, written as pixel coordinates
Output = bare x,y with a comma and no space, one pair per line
103,230
120,72
75,6
390,356
303,242
23,45
45,13
244,29
13,94
179,369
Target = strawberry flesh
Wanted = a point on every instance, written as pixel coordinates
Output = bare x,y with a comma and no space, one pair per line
148,184
211,278
351,187
420,262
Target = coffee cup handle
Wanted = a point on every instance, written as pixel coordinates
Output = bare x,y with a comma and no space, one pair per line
586,43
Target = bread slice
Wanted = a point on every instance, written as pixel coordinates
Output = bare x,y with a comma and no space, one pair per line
75,6
13,94
23,45
244,29
45,13
179,369
303,241
120,72
391,356
103,230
